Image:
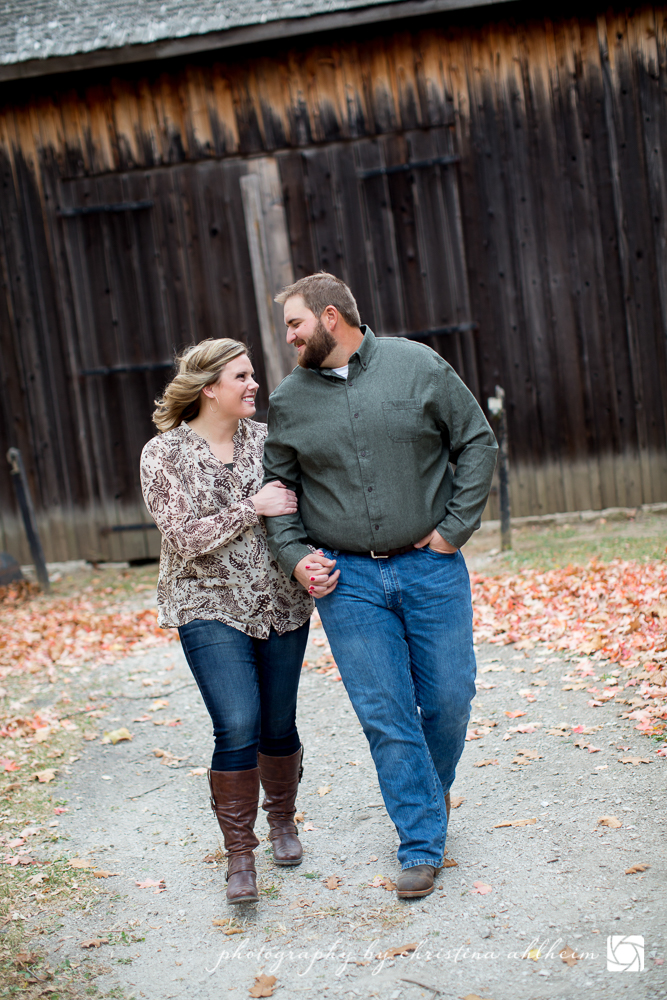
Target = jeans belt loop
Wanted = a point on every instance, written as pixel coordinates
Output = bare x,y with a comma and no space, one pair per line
373,556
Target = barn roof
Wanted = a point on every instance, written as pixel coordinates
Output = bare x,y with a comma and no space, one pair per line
44,36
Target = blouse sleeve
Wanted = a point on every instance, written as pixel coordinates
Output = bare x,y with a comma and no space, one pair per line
168,502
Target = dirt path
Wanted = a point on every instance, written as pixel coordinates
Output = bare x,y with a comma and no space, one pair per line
558,881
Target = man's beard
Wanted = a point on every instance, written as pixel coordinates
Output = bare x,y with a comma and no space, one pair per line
318,348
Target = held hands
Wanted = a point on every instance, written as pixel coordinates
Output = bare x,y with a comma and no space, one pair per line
315,573
436,542
274,499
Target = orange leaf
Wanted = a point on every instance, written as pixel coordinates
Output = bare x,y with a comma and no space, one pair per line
263,986
395,952
332,882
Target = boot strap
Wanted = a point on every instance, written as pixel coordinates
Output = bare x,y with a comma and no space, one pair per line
240,863
284,829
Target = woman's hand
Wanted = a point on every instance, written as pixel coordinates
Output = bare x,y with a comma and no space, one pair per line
274,499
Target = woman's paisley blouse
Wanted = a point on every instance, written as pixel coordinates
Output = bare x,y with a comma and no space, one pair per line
215,562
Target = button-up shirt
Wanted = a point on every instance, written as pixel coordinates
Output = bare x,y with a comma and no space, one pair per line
369,456
215,562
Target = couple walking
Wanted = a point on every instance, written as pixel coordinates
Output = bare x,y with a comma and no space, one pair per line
376,467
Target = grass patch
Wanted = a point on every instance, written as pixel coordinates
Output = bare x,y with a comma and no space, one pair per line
549,546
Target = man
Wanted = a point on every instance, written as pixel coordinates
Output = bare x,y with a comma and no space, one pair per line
364,430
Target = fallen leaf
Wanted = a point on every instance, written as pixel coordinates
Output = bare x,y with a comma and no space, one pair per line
474,996
569,956
159,704
481,888
634,760
142,718
299,817
307,827
300,903
528,754
198,772
449,863
401,950
94,942
633,869
37,879
117,736
484,763
516,714
150,883
592,749
324,790
80,863
332,882
611,821
24,958
263,986
516,822
455,801
100,873
533,953
44,777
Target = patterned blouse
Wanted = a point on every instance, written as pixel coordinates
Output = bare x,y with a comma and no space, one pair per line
215,562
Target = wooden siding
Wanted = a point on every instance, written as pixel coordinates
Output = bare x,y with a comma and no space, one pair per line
550,234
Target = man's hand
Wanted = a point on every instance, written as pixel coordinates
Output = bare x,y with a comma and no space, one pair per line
436,542
315,573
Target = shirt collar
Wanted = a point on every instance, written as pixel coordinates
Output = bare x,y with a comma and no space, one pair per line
363,354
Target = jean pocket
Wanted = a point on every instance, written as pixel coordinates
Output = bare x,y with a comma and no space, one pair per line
403,419
441,555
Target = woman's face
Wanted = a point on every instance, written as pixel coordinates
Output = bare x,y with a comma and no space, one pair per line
233,395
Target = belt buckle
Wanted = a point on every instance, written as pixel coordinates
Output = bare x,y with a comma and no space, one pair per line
374,556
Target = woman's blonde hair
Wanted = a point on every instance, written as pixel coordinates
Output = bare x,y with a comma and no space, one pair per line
198,367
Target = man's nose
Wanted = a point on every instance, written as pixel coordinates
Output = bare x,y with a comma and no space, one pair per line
290,336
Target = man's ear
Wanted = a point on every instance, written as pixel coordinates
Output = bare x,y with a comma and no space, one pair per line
330,317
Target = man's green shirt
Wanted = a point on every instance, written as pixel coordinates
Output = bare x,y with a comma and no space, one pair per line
369,456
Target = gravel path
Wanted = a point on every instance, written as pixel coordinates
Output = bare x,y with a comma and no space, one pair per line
558,881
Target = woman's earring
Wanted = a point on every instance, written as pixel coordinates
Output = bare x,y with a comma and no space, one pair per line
210,403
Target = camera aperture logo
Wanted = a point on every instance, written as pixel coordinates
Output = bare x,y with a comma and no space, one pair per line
625,953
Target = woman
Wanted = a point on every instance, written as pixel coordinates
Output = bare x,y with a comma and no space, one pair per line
243,624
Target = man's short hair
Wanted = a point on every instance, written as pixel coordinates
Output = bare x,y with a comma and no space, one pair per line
321,290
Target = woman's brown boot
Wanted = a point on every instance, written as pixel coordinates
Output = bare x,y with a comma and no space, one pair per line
280,780
234,800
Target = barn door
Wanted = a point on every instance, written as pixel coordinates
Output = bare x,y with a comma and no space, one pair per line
157,260
384,215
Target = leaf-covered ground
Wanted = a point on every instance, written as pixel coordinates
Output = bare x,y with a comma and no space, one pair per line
614,614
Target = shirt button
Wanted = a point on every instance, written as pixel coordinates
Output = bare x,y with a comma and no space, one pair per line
363,454
356,414
370,489
377,527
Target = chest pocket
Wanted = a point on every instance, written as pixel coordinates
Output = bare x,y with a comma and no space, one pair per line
403,419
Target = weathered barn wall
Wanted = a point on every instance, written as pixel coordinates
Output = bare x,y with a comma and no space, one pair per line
550,234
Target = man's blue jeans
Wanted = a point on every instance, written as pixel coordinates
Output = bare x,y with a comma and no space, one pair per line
249,687
400,631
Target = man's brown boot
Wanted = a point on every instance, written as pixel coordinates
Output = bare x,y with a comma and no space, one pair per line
280,780
234,800
416,881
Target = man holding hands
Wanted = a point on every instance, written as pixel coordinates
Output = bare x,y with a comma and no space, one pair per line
364,431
